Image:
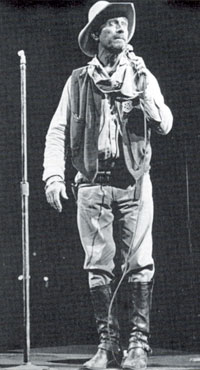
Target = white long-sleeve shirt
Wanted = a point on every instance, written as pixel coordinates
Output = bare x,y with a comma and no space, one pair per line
152,103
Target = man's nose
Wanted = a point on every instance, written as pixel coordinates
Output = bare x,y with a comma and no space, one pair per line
119,28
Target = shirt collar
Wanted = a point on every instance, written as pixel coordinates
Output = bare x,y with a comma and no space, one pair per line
95,61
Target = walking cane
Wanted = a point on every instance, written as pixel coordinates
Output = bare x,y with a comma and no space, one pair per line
25,223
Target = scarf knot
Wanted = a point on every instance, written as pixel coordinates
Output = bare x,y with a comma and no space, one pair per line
123,83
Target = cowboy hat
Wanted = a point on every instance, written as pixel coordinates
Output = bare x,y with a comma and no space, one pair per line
98,14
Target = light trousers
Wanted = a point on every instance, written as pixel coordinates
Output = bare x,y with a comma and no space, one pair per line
99,206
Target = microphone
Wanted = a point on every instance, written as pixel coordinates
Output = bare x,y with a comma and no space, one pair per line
131,56
129,52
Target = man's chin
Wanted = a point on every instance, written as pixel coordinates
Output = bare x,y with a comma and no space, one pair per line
118,48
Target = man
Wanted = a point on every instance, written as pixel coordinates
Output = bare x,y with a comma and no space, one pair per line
106,113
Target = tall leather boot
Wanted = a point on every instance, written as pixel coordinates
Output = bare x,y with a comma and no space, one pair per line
138,349
108,353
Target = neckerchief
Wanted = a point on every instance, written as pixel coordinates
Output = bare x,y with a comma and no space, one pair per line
118,84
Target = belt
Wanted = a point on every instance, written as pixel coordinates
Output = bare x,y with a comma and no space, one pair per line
103,177
107,178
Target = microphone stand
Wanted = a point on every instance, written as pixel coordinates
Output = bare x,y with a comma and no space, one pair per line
25,224
189,223
188,201
190,245
25,210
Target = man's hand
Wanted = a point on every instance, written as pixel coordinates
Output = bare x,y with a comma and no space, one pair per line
138,62
54,193
139,65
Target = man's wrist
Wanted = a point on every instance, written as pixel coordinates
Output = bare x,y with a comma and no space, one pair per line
53,179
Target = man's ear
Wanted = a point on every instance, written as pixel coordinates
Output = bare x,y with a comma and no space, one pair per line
95,36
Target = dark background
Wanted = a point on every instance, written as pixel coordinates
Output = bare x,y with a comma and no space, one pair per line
167,36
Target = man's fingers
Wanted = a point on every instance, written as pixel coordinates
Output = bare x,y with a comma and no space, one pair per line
54,193
53,202
57,202
64,194
139,65
49,198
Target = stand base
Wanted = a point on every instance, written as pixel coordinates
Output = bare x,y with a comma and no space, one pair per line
28,366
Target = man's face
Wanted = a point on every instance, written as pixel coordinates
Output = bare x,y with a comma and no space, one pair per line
114,34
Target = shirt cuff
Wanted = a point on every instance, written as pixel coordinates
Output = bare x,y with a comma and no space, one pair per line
52,179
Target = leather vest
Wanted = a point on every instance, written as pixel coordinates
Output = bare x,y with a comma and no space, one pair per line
84,129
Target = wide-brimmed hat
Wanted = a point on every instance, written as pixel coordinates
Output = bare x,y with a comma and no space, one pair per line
98,14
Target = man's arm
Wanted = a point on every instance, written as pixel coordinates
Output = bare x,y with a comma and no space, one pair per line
54,154
158,113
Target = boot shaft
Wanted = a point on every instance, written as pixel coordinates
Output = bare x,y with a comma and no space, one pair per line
107,324
140,298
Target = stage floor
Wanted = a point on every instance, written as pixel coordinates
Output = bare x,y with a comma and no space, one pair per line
71,358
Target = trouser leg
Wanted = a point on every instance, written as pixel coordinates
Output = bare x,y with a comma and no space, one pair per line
133,231
95,225
95,222
135,220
